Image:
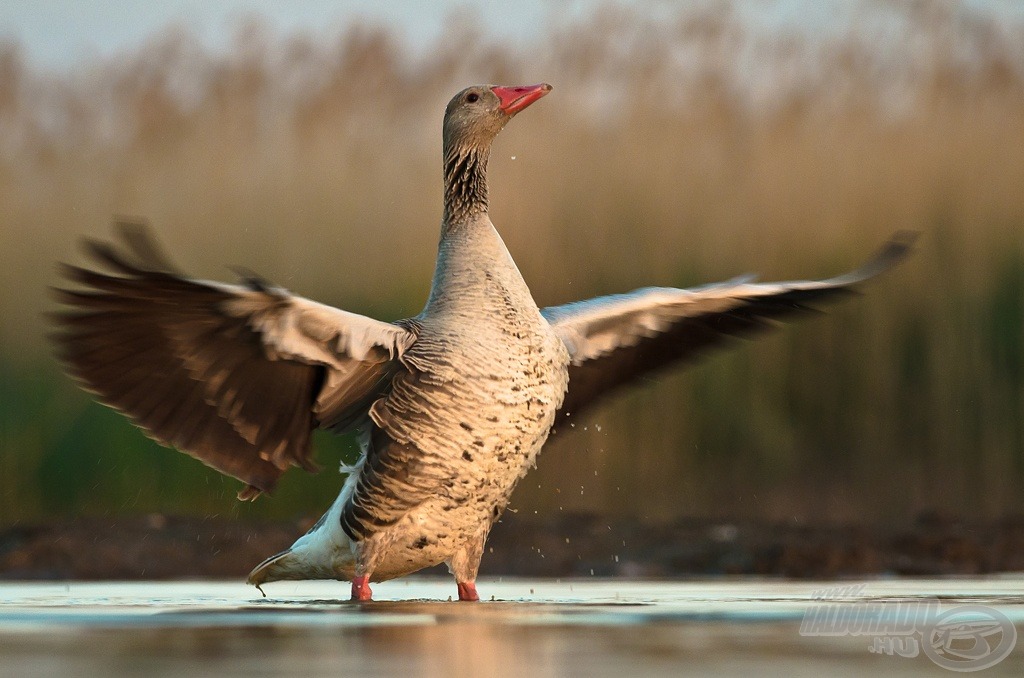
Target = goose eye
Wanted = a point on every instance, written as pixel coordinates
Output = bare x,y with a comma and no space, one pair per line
472,97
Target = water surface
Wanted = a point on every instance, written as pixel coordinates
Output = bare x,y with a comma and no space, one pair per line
523,627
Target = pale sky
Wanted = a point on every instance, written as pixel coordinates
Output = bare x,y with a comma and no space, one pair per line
58,33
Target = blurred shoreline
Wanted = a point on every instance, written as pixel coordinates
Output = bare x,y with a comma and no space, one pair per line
573,545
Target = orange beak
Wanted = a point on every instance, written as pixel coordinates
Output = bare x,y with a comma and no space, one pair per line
515,99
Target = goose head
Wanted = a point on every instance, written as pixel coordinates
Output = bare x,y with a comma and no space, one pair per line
475,115
472,119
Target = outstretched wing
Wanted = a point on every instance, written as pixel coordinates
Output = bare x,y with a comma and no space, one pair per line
618,339
237,376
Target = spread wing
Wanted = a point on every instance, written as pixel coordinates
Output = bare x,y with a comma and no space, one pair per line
237,376
618,339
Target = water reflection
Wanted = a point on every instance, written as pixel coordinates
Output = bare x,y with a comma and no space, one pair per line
534,628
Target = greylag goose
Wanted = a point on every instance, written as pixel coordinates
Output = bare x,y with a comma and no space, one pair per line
451,407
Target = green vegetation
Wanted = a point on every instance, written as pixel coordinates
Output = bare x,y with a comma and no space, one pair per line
667,155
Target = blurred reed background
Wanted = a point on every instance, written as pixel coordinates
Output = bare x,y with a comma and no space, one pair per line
680,146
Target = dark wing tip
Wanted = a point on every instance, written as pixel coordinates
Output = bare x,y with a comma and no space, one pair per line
252,280
134,250
894,251
137,234
898,248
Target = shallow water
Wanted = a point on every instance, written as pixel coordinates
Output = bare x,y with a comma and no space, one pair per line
535,628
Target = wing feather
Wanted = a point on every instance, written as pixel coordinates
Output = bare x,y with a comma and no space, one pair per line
237,376
616,340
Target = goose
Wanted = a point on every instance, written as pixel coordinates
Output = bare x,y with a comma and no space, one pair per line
450,407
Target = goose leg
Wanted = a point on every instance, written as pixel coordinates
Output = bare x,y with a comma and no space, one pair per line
465,564
361,588
368,556
467,591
